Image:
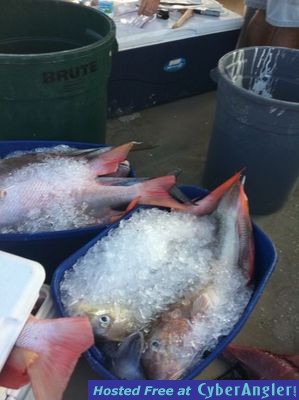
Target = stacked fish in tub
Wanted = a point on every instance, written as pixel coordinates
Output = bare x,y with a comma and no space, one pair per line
166,291
61,188
160,288
57,197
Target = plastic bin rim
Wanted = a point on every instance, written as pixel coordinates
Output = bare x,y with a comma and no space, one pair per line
258,98
79,51
57,234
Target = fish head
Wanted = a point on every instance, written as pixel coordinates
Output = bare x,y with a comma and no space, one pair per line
166,354
126,361
112,321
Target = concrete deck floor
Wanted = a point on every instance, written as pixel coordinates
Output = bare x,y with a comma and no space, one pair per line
181,132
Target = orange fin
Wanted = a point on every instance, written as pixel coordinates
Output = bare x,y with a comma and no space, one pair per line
14,374
129,208
132,205
59,343
108,162
246,253
209,203
156,192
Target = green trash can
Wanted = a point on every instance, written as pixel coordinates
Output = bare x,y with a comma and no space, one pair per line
55,61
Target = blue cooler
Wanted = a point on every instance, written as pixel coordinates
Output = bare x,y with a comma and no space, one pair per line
265,260
157,64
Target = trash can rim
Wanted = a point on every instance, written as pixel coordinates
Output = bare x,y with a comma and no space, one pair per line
258,98
111,35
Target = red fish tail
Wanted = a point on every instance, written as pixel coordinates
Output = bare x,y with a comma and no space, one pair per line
14,374
261,364
293,359
59,344
156,192
108,162
209,203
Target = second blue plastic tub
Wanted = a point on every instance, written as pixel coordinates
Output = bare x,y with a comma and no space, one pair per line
265,260
48,248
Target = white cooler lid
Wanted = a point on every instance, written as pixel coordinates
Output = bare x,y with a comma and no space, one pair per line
20,282
159,31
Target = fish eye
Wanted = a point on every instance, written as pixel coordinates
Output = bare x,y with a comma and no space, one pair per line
3,193
104,320
155,344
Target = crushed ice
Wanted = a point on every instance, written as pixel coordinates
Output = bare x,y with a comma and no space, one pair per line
45,196
230,297
61,148
150,262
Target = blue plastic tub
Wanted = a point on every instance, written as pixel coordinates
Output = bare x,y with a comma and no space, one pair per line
48,248
265,260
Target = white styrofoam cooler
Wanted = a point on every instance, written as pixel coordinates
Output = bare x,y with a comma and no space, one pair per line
44,308
21,293
20,283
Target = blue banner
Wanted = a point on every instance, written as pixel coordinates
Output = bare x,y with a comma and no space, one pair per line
195,390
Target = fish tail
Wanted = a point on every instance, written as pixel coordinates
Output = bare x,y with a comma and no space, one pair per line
293,359
14,373
59,344
108,162
209,203
156,192
246,252
243,354
261,364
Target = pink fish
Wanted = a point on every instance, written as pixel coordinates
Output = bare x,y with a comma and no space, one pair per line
104,199
170,349
235,205
262,364
208,204
45,355
102,161
111,161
